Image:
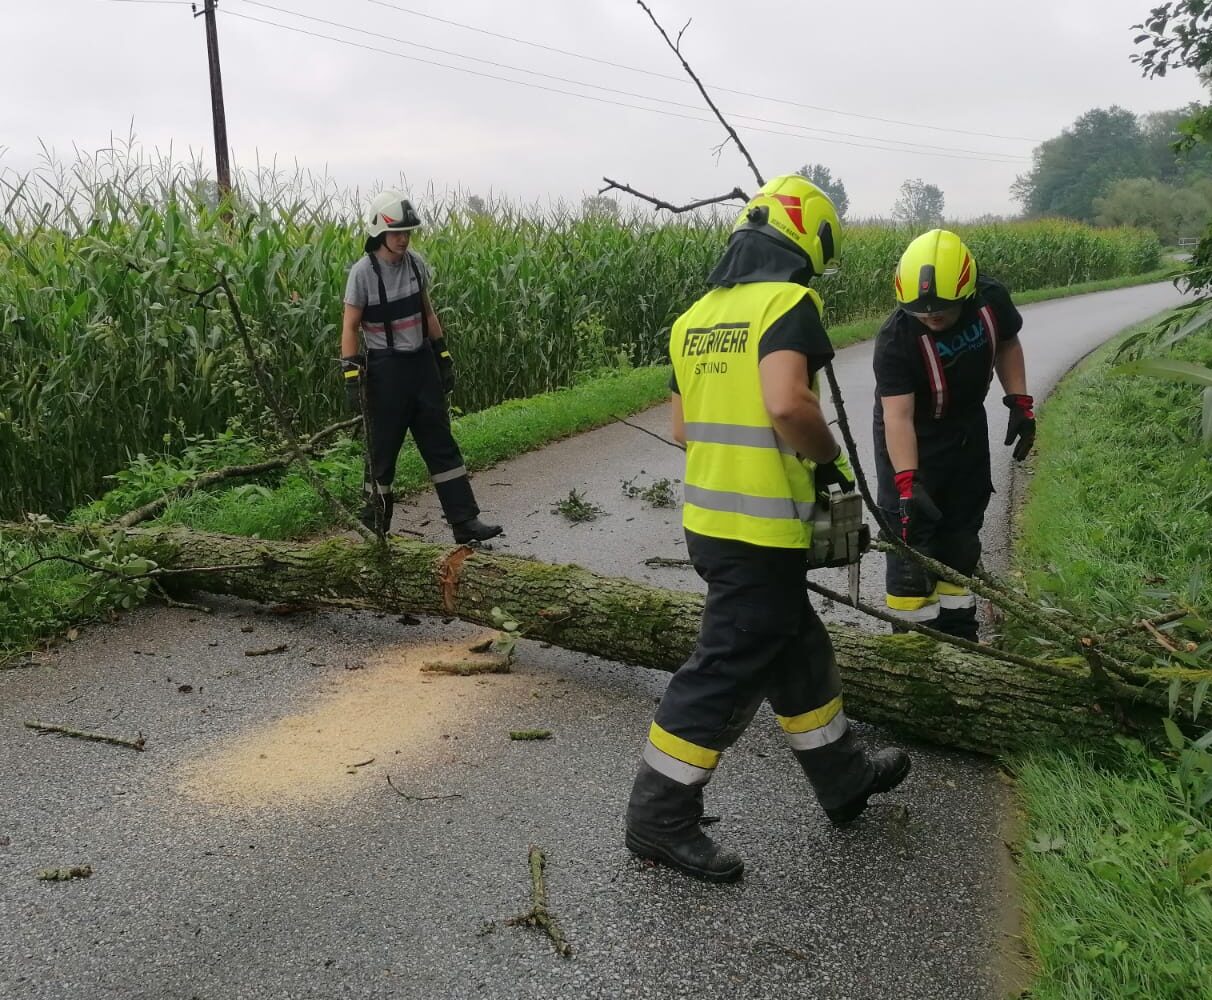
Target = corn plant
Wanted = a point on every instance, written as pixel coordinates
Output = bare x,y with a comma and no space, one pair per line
108,351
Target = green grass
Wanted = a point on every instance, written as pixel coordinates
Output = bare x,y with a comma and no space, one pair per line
488,437
1119,513
1118,521
1110,914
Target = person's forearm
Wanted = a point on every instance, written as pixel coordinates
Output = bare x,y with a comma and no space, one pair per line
901,440
433,325
804,428
677,420
1011,367
349,340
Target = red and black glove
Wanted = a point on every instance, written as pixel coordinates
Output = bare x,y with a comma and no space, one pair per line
1021,425
445,364
918,511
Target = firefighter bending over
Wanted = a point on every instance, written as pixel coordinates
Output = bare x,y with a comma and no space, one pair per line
401,381
745,358
934,360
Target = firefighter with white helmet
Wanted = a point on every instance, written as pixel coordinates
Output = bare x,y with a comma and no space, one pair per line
935,358
758,451
400,380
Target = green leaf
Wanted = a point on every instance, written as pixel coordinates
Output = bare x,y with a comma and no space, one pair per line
1198,867
1197,697
1174,734
1046,843
1167,368
1176,689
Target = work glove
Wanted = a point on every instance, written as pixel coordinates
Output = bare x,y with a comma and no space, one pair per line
1021,425
918,512
352,367
837,471
445,365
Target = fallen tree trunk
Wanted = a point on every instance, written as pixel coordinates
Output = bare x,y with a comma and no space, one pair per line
928,690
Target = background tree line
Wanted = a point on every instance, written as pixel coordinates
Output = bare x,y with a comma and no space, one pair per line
1112,167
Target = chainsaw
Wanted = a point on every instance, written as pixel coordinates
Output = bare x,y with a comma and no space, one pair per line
839,536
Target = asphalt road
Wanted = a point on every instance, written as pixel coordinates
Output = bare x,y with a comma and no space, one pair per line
257,850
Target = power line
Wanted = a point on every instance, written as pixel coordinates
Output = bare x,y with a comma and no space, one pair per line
992,158
624,93
678,79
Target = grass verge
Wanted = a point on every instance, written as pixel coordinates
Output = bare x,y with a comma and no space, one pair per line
1118,851
1115,905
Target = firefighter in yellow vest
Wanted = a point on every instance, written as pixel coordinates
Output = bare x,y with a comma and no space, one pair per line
745,358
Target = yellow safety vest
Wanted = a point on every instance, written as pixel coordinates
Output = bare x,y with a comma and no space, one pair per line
743,482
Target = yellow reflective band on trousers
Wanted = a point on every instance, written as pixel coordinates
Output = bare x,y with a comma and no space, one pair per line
742,482
685,762
815,729
913,609
950,596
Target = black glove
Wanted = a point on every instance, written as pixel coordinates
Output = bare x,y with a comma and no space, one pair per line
1021,425
352,368
918,512
445,364
837,471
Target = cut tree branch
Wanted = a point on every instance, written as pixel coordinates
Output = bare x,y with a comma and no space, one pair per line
736,194
703,90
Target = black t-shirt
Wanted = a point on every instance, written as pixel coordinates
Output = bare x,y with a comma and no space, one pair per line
798,329
949,372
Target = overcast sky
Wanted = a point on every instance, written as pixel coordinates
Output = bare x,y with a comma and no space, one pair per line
75,71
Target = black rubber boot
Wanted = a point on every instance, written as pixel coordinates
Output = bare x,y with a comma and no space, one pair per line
663,825
377,511
474,530
959,622
889,769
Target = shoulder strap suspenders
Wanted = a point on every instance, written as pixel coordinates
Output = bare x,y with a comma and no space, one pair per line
416,273
391,340
934,375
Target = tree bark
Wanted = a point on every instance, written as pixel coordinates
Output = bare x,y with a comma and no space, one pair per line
927,690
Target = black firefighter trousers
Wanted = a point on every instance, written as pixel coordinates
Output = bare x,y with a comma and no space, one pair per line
759,639
954,468
405,394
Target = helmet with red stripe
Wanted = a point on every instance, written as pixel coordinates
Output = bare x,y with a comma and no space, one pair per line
935,273
796,212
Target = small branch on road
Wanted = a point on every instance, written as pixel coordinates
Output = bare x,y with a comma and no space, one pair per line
138,743
664,562
539,915
419,798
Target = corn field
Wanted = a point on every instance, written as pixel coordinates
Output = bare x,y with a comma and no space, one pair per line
108,350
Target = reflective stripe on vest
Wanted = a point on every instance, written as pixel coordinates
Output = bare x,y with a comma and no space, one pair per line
742,481
939,394
989,322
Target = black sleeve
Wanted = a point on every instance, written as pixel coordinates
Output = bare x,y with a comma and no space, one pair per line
893,364
799,329
673,382
1009,319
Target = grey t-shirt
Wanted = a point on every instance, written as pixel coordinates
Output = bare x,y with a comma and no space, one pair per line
403,305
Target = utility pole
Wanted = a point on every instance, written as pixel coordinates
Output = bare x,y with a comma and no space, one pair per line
222,166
